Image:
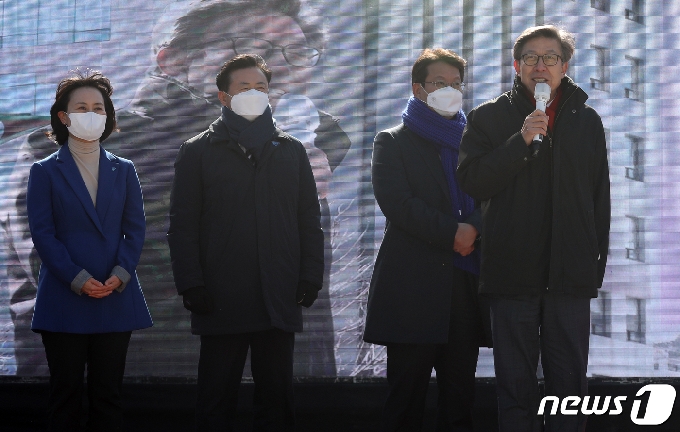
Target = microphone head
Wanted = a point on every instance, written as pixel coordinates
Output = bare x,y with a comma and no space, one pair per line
542,91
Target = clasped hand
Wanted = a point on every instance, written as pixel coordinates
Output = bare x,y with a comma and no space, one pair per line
96,289
464,241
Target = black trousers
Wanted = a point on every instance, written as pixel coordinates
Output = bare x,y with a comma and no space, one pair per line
220,368
556,327
409,368
67,354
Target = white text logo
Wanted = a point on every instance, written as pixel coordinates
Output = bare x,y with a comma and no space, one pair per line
658,408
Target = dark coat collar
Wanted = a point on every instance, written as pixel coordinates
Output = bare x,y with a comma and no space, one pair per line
219,135
571,93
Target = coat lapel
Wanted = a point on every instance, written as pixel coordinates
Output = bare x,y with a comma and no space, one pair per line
270,147
108,171
69,169
432,160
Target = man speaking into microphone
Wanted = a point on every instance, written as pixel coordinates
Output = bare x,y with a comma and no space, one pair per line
545,227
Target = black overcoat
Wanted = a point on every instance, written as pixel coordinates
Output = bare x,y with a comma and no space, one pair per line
247,233
547,216
412,284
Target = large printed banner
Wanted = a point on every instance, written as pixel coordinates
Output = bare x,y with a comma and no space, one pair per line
162,57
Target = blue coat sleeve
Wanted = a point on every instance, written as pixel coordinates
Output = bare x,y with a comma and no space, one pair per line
52,252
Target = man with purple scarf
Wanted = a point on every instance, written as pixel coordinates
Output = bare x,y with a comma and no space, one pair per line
423,303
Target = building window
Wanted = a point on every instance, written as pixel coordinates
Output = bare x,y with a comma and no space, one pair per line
602,5
636,246
636,320
601,82
24,23
636,12
601,315
636,78
636,169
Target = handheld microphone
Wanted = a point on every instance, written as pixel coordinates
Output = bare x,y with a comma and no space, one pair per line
542,95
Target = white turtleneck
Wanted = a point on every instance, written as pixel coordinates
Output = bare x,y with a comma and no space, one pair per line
86,156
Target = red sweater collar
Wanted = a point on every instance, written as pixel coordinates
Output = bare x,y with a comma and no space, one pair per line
551,110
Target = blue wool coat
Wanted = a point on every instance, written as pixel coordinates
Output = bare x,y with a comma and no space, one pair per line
70,235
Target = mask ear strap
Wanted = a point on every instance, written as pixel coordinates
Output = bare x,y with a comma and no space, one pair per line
67,116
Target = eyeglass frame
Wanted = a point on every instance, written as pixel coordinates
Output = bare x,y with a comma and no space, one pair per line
458,86
273,45
540,57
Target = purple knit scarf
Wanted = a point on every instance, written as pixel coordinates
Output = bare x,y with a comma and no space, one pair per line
445,135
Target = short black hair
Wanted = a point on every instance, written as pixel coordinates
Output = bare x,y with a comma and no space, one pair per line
433,55
78,79
241,61
549,31
190,29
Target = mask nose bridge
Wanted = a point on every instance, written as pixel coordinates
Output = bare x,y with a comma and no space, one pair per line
245,91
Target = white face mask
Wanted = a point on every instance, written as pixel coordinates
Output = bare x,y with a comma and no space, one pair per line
87,126
446,102
249,104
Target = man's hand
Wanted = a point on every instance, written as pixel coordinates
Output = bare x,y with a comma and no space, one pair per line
536,123
198,300
95,289
464,242
306,294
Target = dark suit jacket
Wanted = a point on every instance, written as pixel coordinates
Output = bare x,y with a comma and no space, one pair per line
412,285
71,235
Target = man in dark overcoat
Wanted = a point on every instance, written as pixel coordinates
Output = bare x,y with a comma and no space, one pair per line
247,248
546,228
423,303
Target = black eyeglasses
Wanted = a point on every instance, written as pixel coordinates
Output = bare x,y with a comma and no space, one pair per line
295,54
441,84
548,59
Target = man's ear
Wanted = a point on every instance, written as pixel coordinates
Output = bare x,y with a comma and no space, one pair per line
416,88
172,61
224,98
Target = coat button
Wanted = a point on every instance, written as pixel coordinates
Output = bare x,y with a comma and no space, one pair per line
573,111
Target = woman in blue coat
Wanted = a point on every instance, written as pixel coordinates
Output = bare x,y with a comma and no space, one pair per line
86,218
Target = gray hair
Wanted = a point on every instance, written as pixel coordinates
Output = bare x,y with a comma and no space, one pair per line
566,40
